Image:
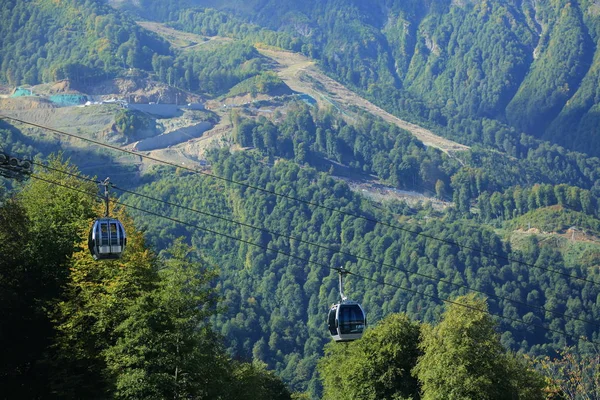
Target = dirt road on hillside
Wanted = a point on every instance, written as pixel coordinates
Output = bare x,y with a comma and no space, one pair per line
180,39
302,75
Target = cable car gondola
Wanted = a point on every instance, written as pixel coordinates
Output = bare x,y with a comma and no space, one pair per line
107,238
346,320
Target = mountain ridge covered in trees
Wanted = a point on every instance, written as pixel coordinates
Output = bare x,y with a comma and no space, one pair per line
530,65
461,67
141,327
416,59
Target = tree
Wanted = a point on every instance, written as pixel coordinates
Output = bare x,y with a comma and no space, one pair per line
253,381
38,233
25,327
573,376
58,216
98,298
440,189
463,358
376,367
164,347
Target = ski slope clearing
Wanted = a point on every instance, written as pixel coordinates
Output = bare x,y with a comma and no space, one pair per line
302,75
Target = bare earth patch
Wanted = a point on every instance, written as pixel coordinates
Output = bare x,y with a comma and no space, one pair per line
180,39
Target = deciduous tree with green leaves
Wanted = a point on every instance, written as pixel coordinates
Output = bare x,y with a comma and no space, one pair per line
376,367
164,347
464,359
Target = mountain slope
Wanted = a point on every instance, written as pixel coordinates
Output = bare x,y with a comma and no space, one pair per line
47,41
533,65
455,65
302,75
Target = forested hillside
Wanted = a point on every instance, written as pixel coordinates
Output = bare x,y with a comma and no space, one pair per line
137,327
230,271
530,65
276,303
87,42
45,41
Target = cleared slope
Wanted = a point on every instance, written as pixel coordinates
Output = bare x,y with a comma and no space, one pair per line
302,75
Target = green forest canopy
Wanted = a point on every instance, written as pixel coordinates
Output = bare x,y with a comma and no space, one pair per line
138,327
479,89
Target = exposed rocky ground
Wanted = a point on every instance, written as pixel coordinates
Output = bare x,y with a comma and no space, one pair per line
190,140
